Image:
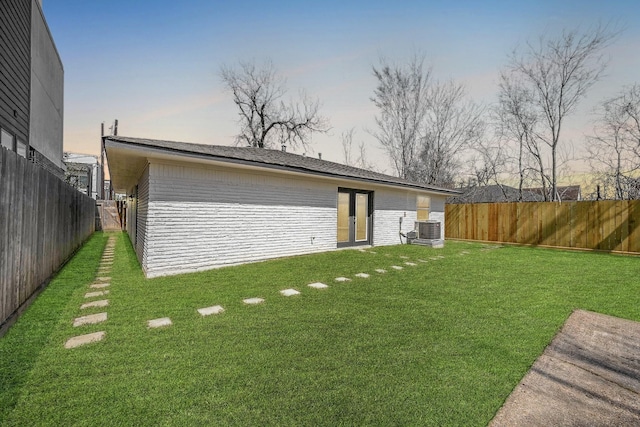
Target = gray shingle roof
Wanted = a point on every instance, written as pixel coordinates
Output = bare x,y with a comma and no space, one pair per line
273,159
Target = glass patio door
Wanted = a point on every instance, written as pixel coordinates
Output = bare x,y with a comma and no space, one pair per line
354,217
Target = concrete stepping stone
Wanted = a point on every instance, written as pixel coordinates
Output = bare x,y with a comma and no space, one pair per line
404,257
362,275
289,292
318,285
422,260
412,264
434,258
90,319
159,323
465,253
74,342
342,279
253,301
98,303
396,267
96,294
381,270
100,285
103,279
208,311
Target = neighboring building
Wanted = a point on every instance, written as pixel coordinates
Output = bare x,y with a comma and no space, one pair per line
84,173
505,193
565,193
194,207
32,86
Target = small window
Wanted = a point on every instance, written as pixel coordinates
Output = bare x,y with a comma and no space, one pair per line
6,139
21,148
423,204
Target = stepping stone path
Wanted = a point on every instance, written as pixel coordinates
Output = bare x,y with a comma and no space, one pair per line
318,285
90,319
84,339
159,323
99,285
101,282
208,311
99,303
96,294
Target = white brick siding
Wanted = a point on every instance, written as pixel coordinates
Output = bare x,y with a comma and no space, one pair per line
389,207
203,218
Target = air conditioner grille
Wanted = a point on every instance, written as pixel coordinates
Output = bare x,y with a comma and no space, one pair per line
428,230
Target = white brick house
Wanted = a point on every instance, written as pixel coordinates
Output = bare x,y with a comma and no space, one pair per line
194,207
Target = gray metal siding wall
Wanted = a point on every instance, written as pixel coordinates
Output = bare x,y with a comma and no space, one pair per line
15,66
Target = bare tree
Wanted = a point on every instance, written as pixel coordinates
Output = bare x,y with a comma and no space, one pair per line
355,157
266,121
557,73
451,124
515,122
614,148
401,98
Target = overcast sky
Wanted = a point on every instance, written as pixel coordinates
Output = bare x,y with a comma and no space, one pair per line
154,64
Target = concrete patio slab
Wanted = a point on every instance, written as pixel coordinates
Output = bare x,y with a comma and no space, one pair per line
381,270
99,285
588,375
318,285
362,275
342,279
90,319
159,323
96,294
208,311
289,292
98,303
253,301
74,342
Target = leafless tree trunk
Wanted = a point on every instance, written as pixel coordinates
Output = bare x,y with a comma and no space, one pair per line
266,121
558,73
401,98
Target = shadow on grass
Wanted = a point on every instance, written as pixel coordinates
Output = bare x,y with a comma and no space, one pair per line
23,343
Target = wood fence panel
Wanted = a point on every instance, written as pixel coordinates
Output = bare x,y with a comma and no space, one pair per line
603,225
42,222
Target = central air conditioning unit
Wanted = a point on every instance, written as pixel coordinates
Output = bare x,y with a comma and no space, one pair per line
428,233
428,229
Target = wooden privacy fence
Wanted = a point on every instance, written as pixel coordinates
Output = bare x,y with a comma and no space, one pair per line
42,222
603,225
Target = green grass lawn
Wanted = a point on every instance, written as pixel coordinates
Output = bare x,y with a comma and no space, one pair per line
441,343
